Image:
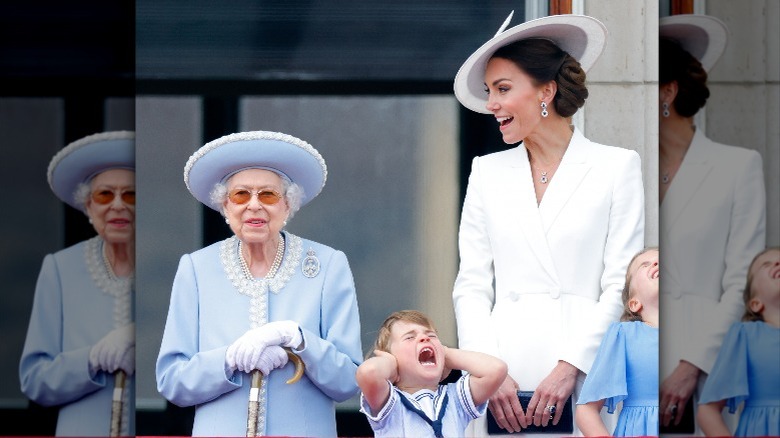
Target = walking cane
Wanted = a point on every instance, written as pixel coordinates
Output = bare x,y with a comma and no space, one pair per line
117,404
254,392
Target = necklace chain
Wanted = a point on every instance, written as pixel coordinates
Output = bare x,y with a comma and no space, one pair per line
274,266
544,179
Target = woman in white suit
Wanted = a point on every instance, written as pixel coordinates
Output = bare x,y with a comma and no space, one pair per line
712,215
549,226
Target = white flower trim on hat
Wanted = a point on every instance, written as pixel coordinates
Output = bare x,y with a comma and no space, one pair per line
82,142
81,160
255,135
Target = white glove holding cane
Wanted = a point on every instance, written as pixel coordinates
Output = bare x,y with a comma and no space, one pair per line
245,354
114,351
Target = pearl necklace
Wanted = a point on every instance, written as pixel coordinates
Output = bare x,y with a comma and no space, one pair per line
274,266
107,263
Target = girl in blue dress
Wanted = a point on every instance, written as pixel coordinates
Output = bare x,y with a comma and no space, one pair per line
748,364
626,365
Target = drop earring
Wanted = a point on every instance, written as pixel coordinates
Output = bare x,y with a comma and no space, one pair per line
666,109
227,221
544,109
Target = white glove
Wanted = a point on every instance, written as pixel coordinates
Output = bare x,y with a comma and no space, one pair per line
271,358
244,353
127,363
112,352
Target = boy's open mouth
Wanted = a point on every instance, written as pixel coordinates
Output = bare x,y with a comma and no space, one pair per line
427,357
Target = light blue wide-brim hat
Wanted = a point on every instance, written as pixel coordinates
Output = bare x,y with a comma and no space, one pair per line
293,158
83,159
581,36
703,36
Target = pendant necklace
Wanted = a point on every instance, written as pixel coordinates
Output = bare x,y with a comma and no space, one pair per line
544,179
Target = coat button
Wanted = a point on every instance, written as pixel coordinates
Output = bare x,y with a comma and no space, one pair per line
514,296
555,294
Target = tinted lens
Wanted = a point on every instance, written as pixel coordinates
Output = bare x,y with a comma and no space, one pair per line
103,196
268,197
240,196
129,197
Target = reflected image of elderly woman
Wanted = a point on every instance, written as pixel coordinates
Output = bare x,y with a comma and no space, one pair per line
81,338
254,300
548,226
712,216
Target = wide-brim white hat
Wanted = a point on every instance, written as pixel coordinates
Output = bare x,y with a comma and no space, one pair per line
293,158
83,159
702,36
581,36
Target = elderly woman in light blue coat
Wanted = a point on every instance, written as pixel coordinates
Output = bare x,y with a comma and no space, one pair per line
241,304
81,331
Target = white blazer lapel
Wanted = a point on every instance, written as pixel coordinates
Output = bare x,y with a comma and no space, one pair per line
529,220
567,178
686,183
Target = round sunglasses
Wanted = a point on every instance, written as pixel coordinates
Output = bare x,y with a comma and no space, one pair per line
107,196
265,196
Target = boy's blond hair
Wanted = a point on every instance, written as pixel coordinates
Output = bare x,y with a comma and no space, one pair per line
383,338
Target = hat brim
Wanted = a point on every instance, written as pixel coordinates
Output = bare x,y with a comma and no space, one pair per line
83,159
703,36
225,156
581,36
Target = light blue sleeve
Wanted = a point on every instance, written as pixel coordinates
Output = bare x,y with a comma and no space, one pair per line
333,355
728,379
48,375
187,376
607,379
467,411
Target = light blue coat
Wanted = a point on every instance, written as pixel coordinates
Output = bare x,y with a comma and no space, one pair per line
70,314
208,313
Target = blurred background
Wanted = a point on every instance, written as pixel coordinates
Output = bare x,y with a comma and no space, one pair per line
66,71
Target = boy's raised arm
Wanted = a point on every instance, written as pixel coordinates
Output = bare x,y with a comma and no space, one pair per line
372,376
487,372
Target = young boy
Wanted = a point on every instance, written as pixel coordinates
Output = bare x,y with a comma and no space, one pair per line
401,395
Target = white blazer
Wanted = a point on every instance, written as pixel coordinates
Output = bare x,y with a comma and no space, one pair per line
713,222
538,284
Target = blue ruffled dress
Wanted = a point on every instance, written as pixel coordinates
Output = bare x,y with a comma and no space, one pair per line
626,370
748,369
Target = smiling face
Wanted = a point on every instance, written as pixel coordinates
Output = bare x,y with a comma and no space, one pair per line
643,273
114,221
514,99
419,354
765,283
254,221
